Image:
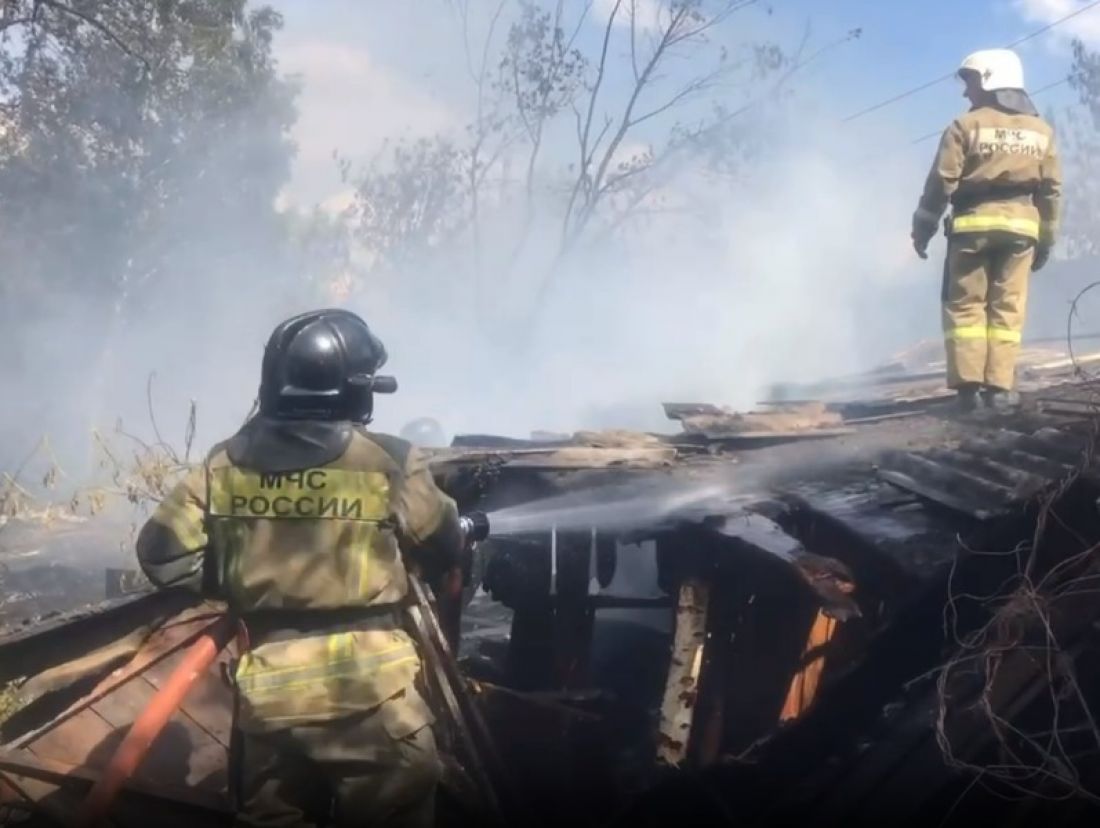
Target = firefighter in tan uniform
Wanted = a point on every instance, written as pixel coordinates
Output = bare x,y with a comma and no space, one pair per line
998,168
303,522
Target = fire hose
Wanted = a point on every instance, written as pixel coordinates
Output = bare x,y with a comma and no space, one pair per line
144,731
196,661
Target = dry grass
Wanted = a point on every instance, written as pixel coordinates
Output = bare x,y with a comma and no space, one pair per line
131,471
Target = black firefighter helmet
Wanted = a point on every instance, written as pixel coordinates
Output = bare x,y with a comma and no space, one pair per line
323,365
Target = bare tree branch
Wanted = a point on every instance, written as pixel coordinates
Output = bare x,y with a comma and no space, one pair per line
585,160
485,49
664,159
696,86
692,32
580,23
796,66
17,21
615,182
624,123
634,38
464,14
599,137
476,176
553,74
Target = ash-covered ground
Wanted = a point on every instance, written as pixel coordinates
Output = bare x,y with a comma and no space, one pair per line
57,565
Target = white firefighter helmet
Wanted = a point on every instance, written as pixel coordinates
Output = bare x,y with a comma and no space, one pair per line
996,69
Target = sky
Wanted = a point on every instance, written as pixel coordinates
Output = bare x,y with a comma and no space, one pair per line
801,271
373,69
810,276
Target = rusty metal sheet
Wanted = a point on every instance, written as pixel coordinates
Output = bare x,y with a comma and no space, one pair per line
209,703
74,740
39,777
176,633
184,754
188,758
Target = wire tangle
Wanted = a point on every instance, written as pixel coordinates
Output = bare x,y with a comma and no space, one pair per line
1042,732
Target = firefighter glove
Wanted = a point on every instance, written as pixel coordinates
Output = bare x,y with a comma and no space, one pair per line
920,244
922,233
1042,254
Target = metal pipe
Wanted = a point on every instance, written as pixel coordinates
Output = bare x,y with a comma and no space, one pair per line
145,729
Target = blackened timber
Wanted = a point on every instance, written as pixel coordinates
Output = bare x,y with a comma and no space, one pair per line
890,548
858,777
831,581
903,771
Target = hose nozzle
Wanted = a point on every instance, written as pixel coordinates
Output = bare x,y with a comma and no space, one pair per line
475,528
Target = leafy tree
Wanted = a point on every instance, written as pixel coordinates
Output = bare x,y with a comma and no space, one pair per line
132,130
1080,139
142,146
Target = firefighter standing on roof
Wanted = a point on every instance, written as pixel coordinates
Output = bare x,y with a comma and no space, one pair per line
302,522
998,168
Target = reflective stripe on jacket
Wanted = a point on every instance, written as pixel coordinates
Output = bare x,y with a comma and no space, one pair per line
1001,172
298,545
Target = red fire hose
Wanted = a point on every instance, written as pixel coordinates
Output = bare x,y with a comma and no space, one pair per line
152,720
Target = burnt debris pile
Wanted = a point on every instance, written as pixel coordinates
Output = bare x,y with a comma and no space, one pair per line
860,610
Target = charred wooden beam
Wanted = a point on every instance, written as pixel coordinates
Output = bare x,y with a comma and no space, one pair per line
830,579
685,666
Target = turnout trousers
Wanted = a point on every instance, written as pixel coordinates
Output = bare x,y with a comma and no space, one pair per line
985,283
378,768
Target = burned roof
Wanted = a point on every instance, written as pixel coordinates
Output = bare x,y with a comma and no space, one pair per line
858,498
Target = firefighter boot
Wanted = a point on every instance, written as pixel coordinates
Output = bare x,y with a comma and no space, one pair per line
1000,399
968,398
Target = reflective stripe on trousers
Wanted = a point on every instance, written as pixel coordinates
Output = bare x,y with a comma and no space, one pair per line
343,661
984,298
979,332
989,224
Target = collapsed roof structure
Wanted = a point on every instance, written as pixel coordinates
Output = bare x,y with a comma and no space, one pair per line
858,608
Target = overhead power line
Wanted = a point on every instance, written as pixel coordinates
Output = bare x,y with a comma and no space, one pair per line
1030,36
1038,91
